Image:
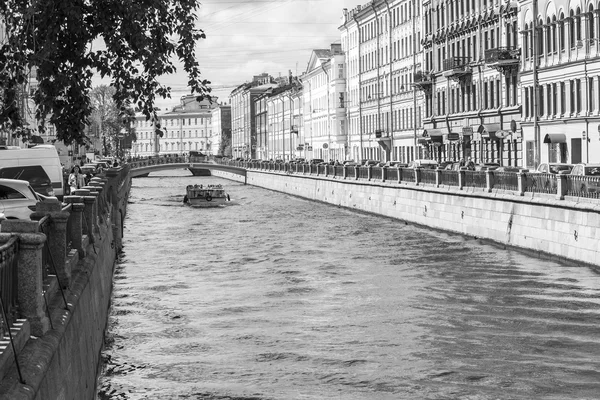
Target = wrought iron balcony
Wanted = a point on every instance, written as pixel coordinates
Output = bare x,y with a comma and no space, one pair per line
456,67
503,59
504,55
422,80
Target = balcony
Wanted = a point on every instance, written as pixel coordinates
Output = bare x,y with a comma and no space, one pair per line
383,138
422,81
503,59
456,67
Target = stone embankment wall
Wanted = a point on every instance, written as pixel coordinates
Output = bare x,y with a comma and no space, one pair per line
567,229
61,358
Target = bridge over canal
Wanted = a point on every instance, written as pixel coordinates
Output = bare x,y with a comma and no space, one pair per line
146,166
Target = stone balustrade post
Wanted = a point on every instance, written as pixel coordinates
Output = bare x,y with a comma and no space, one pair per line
56,237
356,172
95,192
369,172
417,176
30,296
562,186
521,183
88,213
489,181
345,173
76,233
384,173
461,179
438,177
101,206
400,174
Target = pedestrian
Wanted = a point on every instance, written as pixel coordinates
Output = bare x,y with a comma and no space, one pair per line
470,164
76,178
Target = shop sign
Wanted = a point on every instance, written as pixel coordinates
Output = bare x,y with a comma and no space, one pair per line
452,136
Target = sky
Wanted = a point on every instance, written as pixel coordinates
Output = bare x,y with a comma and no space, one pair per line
249,37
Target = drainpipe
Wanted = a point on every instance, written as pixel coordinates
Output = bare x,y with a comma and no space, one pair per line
328,112
391,118
536,133
378,64
360,120
347,100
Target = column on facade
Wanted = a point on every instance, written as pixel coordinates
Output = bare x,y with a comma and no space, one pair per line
545,44
567,25
568,110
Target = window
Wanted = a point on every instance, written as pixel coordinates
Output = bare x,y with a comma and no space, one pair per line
8,193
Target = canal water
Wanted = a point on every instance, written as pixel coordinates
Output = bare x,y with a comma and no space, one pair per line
275,297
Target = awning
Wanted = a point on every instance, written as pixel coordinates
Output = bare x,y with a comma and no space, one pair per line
424,141
436,135
489,130
385,142
555,138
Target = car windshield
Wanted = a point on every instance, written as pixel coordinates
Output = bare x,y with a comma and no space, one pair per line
592,170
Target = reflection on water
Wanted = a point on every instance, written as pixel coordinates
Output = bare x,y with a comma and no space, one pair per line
275,297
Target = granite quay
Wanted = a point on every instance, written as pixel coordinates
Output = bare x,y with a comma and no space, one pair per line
547,213
56,280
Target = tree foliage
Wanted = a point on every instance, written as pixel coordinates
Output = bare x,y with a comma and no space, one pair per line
65,42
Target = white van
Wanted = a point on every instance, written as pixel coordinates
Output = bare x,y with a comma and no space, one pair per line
39,165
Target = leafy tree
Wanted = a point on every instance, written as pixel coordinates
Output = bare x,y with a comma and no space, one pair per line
66,42
109,121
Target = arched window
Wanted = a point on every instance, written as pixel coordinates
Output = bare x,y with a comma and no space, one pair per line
572,29
578,23
526,54
592,32
548,31
540,38
554,32
561,32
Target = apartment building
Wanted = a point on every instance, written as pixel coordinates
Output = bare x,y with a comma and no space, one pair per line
220,141
325,104
243,129
185,127
471,57
564,41
381,42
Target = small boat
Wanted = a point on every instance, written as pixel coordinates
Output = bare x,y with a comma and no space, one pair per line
205,196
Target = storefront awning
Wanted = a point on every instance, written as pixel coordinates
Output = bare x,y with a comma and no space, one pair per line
436,135
385,142
555,138
489,130
452,137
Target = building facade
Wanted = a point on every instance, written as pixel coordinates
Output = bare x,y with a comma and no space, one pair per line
243,129
471,60
283,113
324,114
381,42
220,141
185,127
561,91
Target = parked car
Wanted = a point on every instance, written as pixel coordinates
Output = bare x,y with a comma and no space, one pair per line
590,186
445,164
554,168
486,166
508,168
367,162
394,164
423,163
586,169
316,161
18,199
